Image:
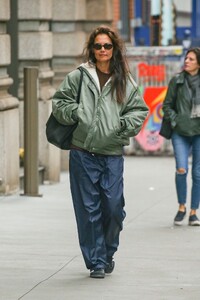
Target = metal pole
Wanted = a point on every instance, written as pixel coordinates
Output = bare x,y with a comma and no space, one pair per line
31,174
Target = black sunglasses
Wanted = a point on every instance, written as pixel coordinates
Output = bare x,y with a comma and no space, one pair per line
106,46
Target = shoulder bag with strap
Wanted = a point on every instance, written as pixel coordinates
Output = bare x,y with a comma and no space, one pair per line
58,134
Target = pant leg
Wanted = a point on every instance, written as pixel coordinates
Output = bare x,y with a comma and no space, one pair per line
85,189
181,146
112,202
195,193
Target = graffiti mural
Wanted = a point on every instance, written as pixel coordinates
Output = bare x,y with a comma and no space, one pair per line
151,72
152,68
149,138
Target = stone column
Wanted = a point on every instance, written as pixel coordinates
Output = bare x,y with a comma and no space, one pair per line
35,49
68,40
9,113
71,22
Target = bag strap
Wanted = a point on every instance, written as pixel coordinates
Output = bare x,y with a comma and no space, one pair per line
80,83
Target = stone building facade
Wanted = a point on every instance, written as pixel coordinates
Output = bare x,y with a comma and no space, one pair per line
49,35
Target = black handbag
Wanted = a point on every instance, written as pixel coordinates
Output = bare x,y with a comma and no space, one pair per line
58,134
166,129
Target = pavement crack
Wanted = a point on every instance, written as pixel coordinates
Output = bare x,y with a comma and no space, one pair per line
46,279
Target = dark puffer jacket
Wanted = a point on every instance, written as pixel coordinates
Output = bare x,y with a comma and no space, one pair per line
179,115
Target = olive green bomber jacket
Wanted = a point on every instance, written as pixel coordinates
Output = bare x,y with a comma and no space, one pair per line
104,126
177,107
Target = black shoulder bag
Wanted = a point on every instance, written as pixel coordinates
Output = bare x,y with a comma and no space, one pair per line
166,129
58,134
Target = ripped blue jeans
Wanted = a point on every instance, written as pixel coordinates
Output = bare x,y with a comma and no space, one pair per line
184,147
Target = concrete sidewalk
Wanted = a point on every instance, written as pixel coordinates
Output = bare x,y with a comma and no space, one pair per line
40,257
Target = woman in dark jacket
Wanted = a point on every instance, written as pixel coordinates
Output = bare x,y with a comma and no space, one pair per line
184,91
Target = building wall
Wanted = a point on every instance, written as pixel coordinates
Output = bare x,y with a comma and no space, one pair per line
119,19
184,10
51,35
9,112
116,13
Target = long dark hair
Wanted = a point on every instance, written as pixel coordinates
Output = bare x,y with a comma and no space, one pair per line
118,64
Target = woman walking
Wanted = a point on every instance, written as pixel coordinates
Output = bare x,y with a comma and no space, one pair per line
184,91
111,110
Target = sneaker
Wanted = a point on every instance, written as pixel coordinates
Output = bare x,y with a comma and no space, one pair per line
194,221
97,273
110,267
180,216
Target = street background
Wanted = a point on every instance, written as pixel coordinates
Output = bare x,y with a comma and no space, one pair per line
40,257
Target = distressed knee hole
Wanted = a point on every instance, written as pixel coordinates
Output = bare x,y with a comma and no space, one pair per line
181,171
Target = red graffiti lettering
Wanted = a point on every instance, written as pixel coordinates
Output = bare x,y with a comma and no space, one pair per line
149,72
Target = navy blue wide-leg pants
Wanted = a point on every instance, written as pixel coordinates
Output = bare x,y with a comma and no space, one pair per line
96,183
